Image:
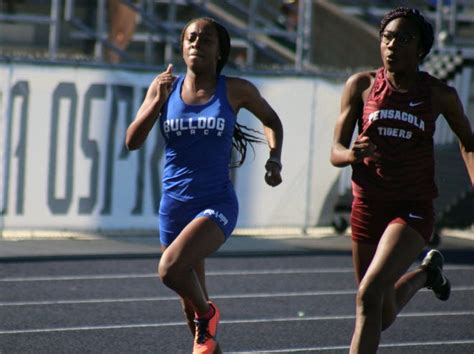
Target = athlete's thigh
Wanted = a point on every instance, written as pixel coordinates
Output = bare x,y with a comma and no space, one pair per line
200,238
398,247
362,255
369,219
176,215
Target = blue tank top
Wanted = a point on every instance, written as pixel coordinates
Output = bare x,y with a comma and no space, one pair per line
198,144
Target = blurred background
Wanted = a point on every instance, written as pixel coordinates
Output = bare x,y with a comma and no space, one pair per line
73,73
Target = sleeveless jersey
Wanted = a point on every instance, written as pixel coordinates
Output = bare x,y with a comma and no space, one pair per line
198,144
401,125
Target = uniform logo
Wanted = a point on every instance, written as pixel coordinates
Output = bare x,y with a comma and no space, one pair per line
414,104
413,216
395,114
395,132
206,125
217,215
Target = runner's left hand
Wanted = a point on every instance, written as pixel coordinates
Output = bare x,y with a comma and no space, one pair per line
273,173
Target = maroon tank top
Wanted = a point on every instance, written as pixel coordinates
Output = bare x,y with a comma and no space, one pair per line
401,125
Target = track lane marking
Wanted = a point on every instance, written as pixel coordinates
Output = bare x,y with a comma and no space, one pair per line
341,270
236,321
217,297
345,347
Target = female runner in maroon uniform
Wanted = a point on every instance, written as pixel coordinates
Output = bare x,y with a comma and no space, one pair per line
395,109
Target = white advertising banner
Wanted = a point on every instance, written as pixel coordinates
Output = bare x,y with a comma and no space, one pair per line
64,165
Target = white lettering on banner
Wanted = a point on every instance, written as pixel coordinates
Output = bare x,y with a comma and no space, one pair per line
18,92
101,157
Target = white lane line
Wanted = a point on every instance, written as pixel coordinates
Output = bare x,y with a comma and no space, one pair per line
417,344
154,275
237,321
169,298
210,274
216,297
294,350
344,347
77,277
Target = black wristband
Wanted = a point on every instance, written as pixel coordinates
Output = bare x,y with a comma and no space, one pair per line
275,161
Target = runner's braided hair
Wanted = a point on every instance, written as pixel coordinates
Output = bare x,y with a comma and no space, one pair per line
242,136
424,27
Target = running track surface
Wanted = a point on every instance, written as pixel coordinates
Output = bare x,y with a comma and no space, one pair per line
300,303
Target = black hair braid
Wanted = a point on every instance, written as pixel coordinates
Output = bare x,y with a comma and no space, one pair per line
425,28
242,138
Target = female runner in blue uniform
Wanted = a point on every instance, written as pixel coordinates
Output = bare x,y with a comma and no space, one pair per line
395,109
198,211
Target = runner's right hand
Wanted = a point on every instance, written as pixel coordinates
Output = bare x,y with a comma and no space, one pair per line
164,82
363,147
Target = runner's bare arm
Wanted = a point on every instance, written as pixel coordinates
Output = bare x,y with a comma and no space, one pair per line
352,104
148,112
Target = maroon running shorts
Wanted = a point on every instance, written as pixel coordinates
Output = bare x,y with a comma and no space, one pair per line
370,218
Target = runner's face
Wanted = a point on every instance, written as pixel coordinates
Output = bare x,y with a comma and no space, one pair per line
201,46
400,45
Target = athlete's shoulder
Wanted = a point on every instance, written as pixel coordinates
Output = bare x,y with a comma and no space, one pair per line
238,83
439,88
361,81
444,95
363,75
240,89
362,78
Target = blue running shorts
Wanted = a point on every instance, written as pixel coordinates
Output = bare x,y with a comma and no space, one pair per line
174,215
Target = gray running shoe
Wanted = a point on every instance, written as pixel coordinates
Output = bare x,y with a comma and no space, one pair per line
432,264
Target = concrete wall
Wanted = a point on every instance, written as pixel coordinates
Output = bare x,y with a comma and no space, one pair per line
64,165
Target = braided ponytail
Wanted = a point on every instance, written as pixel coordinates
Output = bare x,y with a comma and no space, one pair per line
241,139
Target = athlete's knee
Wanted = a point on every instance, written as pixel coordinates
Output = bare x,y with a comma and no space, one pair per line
169,269
369,297
163,270
372,297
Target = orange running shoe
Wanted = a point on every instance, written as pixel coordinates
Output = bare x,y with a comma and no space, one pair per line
206,331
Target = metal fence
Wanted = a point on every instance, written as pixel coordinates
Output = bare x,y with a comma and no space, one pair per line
249,22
